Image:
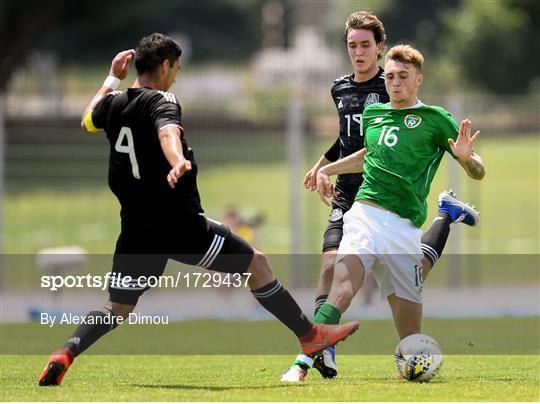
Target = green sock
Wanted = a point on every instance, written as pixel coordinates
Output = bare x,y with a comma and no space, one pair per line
302,364
327,314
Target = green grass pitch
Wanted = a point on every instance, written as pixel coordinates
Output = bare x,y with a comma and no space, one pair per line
512,375
508,199
256,378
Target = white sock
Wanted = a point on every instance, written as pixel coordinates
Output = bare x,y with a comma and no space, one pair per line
306,360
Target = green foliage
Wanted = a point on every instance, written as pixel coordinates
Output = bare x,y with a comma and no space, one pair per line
492,46
225,30
496,43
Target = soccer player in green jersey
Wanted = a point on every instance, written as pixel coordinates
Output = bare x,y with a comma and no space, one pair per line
364,37
405,141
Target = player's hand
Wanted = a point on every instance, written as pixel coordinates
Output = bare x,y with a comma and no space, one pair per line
325,188
310,179
182,167
120,64
462,147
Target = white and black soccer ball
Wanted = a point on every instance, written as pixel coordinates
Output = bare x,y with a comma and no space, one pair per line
418,358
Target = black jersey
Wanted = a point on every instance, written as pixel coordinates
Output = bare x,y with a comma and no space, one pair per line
138,167
351,98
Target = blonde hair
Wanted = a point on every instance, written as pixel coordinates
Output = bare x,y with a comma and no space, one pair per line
405,54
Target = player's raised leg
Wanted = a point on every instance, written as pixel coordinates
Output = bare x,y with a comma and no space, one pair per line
457,210
451,210
277,300
232,254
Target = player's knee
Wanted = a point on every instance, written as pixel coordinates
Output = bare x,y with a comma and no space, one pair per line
259,265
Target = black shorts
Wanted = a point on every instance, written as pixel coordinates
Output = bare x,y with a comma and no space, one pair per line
194,240
334,231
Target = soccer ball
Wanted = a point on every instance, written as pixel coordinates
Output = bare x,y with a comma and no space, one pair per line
418,357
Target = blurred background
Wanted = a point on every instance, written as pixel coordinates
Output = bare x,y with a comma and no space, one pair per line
255,92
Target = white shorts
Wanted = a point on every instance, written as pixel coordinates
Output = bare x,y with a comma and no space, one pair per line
388,246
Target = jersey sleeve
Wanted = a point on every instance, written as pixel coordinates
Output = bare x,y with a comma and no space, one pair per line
447,129
333,153
166,111
96,119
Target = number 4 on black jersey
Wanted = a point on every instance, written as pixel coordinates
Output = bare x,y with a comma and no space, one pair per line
137,166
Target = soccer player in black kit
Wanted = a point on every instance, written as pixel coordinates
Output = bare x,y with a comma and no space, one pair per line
152,172
365,41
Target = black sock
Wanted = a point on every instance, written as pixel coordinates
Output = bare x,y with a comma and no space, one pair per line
434,239
319,301
277,300
99,323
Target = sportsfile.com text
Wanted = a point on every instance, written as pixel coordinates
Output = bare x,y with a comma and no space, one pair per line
188,280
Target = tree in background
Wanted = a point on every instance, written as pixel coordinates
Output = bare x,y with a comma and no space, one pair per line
86,31
492,45
22,26
225,30
496,44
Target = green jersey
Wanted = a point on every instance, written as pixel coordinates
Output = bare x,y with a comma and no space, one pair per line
404,150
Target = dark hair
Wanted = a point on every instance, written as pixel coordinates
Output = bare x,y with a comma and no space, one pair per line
153,50
368,21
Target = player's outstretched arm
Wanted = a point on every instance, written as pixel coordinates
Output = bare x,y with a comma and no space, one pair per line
351,164
169,138
119,71
462,148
